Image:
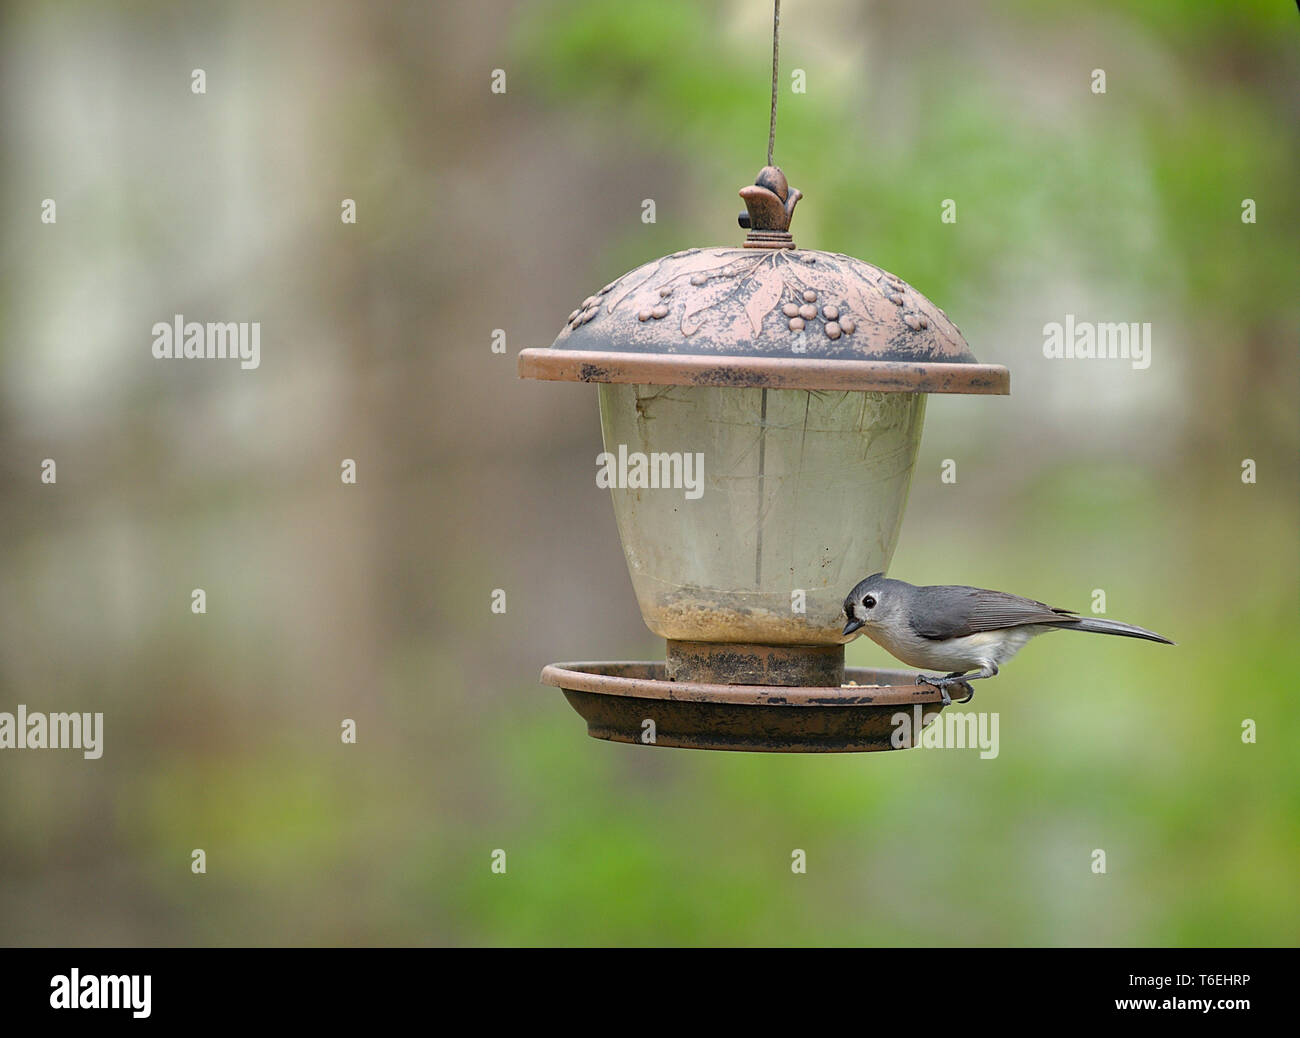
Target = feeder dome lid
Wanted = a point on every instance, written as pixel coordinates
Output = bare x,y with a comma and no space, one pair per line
766,315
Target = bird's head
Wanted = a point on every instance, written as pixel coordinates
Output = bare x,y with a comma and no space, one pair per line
871,603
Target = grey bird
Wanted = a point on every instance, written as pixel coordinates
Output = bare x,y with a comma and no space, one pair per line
960,629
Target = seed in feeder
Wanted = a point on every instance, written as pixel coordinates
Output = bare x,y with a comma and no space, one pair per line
790,310
694,614
832,329
807,311
574,316
796,324
896,300
698,279
606,289
659,311
831,313
587,315
912,321
666,291
925,321
847,326
643,315
589,301
809,296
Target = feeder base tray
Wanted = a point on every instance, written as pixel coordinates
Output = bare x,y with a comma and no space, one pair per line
616,699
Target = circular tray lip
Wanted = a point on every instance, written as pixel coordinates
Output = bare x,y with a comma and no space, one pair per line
594,676
686,369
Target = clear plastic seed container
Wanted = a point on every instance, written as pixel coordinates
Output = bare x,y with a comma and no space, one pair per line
746,515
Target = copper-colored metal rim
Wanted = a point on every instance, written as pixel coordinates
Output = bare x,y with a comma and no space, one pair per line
633,703
874,687
676,369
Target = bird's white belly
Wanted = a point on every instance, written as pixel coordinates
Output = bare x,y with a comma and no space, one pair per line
974,651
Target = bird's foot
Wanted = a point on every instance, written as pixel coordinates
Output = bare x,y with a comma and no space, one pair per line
940,683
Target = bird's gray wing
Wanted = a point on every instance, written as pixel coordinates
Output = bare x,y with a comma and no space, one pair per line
947,611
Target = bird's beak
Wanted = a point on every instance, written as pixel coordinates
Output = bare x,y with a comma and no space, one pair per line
850,627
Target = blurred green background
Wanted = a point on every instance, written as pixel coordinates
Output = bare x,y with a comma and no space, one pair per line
479,211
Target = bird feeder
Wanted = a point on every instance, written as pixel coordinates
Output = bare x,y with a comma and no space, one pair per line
791,384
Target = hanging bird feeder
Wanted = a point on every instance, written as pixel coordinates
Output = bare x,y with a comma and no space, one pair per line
792,384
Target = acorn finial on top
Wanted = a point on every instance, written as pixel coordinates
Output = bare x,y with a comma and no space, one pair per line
769,204
770,201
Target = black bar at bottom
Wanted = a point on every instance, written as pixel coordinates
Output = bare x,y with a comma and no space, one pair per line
336,986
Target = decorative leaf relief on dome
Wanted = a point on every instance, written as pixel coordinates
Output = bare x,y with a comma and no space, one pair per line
720,286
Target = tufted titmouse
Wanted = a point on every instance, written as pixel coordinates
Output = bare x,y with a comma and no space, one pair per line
959,629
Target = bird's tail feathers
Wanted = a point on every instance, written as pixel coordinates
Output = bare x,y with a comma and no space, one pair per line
1095,625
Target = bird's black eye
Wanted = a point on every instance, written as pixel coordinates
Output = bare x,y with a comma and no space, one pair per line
869,602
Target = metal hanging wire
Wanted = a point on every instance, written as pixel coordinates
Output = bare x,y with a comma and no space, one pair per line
776,55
